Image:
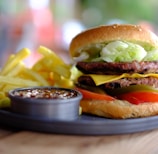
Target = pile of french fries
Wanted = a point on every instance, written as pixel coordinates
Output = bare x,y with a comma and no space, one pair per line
50,70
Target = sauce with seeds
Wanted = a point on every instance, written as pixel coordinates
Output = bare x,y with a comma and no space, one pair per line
46,93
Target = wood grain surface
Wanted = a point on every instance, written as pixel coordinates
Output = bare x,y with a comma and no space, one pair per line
25,142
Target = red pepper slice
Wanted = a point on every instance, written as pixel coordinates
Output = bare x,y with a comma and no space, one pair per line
92,95
139,97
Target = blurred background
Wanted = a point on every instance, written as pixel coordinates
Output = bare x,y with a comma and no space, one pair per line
53,23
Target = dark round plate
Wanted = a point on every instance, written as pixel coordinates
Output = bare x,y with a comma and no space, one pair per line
84,125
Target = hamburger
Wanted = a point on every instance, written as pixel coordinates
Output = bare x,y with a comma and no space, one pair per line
118,71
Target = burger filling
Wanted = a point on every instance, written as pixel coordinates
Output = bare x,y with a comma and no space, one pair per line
143,67
118,66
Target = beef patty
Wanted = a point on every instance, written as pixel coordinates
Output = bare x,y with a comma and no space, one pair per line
124,82
118,67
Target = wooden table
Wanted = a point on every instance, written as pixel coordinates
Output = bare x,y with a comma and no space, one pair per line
27,142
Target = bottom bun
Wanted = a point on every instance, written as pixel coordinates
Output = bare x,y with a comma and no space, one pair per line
118,109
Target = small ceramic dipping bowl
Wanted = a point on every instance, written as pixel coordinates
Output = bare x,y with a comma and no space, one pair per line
46,102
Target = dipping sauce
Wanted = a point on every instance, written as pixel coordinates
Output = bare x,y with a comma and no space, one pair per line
50,103
46,93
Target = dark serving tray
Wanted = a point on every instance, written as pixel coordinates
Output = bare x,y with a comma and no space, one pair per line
84,125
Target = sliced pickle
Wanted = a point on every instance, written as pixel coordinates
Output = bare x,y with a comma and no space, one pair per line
132,88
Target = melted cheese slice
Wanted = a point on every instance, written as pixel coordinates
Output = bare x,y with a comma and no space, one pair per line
101,79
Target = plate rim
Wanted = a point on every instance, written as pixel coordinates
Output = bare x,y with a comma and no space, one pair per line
84,125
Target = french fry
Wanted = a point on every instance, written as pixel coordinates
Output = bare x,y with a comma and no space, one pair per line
61,71
5,102
9,87
48,53
56,78
38,66
2,94
17,81
61,81
47,63
48,76
17,69
44,64
9,59
37,77
80,110
22,54
51,59
66,82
